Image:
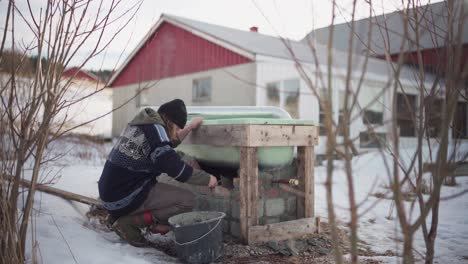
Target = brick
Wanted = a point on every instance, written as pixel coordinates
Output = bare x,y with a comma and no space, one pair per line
275,207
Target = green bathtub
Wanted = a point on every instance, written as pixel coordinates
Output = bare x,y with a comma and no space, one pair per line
229,157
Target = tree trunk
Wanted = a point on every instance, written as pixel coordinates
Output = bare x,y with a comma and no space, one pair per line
408,257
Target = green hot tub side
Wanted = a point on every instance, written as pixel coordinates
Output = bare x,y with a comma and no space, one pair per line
268,157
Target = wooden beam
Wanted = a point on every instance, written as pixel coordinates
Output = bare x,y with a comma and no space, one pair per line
60,193
305,170
218,135
295,229
282,135
248,189
305,158
253,135
253,187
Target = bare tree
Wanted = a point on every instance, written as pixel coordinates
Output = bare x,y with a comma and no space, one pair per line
32,100
445,84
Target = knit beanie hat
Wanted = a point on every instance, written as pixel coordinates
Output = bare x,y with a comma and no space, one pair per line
175,111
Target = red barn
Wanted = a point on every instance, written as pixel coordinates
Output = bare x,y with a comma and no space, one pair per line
80,74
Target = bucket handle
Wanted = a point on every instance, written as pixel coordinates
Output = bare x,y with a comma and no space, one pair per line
197,239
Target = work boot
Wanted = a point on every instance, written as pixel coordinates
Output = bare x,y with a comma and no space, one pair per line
158,228
129,228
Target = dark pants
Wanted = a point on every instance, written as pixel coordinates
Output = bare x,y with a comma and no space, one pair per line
166,200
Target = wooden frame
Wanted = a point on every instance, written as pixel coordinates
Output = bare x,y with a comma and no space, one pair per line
248,138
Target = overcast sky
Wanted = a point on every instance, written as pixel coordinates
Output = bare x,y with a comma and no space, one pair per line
289,18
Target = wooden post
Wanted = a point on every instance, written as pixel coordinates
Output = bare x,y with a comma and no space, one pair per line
248,190
305,158
60,193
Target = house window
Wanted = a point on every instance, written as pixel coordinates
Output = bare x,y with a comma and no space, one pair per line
341,109
433,114
141,98
372,140
201,89
273,95
291,90
406,109
372,102
459,122
323,93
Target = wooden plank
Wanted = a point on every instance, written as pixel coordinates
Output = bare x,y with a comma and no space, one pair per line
248,203
218,135
300,203
295,229
253,135
253,186
305,159
282,135
60,193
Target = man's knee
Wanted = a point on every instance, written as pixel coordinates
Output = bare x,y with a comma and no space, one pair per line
187,200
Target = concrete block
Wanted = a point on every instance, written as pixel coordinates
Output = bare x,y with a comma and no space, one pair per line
274,193
236,183
225,226
291,206
203,203
272,220
235,209
202,190
285,218
235,229
275,207
221,191
220,205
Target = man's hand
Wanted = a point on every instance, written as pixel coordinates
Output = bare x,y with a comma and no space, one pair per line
196,122
213,182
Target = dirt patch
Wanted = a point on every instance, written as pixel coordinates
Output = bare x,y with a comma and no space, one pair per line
315,249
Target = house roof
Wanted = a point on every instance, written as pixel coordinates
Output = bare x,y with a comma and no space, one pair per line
433,29
250,44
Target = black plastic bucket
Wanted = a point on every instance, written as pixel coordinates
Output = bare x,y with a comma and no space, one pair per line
198,236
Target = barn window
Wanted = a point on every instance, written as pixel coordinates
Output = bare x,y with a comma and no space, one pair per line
406,109
201,89
291,89
459,122
141,98
273,95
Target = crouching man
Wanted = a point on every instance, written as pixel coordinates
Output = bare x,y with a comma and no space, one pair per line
128,185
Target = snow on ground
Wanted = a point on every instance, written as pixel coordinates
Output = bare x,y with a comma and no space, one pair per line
379,226
64,234
96,102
